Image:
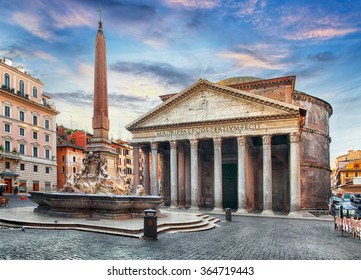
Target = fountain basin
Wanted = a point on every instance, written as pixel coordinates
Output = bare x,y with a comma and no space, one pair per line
81,205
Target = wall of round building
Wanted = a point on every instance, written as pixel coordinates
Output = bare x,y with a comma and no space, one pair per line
315,151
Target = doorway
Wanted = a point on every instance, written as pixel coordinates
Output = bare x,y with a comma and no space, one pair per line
229,186
8,187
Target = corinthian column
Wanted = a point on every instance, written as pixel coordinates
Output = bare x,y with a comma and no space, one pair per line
217,175
267,175
295,174
154,147
194,175
241,141
136,164
173,175
146,172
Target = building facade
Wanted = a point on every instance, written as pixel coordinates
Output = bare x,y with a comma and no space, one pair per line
28,132
72,145
243,143
348,166
70,161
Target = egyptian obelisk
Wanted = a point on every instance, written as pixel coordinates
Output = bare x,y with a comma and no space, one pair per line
100,142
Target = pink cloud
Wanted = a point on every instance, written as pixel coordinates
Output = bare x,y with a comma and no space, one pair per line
194,4
320,33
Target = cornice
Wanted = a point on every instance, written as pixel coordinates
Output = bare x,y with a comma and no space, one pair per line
315,165
315,131
31,102
289,80
213,122
301,96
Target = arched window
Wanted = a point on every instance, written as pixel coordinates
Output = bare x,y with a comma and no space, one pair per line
21,87
35,92
7,81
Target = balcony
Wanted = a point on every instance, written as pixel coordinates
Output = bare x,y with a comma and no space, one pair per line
9,155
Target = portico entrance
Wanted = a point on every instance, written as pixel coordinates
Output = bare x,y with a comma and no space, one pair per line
229,185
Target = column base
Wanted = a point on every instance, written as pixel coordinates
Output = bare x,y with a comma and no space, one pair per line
194,208
218,211
242,211
295,214
173,207
267,213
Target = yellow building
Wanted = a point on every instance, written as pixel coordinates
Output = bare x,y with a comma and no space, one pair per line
348,166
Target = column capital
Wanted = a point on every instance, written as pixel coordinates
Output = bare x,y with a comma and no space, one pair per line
194,143
145,148
294,137
266,139
154,145
173,144
217,142
135,146
242,140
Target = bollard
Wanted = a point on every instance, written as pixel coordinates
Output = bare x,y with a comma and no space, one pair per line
150,224
228,214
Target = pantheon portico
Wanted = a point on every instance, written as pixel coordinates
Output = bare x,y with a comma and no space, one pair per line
235,144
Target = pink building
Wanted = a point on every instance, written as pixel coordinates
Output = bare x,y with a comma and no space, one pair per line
27,132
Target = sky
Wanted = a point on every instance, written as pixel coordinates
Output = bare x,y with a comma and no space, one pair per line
164,46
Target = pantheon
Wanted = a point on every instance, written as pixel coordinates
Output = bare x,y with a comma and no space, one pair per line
243,143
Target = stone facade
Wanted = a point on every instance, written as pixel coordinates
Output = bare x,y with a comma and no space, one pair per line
247,144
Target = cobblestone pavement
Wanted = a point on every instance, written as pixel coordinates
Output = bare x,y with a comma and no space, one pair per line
252,238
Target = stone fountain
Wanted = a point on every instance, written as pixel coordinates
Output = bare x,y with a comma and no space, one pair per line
94,194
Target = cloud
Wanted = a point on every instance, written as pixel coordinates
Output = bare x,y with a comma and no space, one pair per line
32,23
72,14
162,72
322,56
320,33
263,56
194,4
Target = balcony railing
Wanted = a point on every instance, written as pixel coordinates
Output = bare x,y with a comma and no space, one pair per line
9,155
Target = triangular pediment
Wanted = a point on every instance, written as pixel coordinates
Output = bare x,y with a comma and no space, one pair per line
206,102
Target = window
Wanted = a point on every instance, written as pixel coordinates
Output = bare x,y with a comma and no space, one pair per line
74,170
47,170
129,161
22,166
47,154
21,87
22,116
63,169
7,81
35,92
7,164
22,131
7,146
21,149
35,120
47,138
7,111
74,159
35,135
47,124
7,127
35,152
128,170
35,168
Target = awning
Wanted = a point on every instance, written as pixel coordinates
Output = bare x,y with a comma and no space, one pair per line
8,173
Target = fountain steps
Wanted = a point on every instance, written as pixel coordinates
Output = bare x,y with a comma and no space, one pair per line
168,223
